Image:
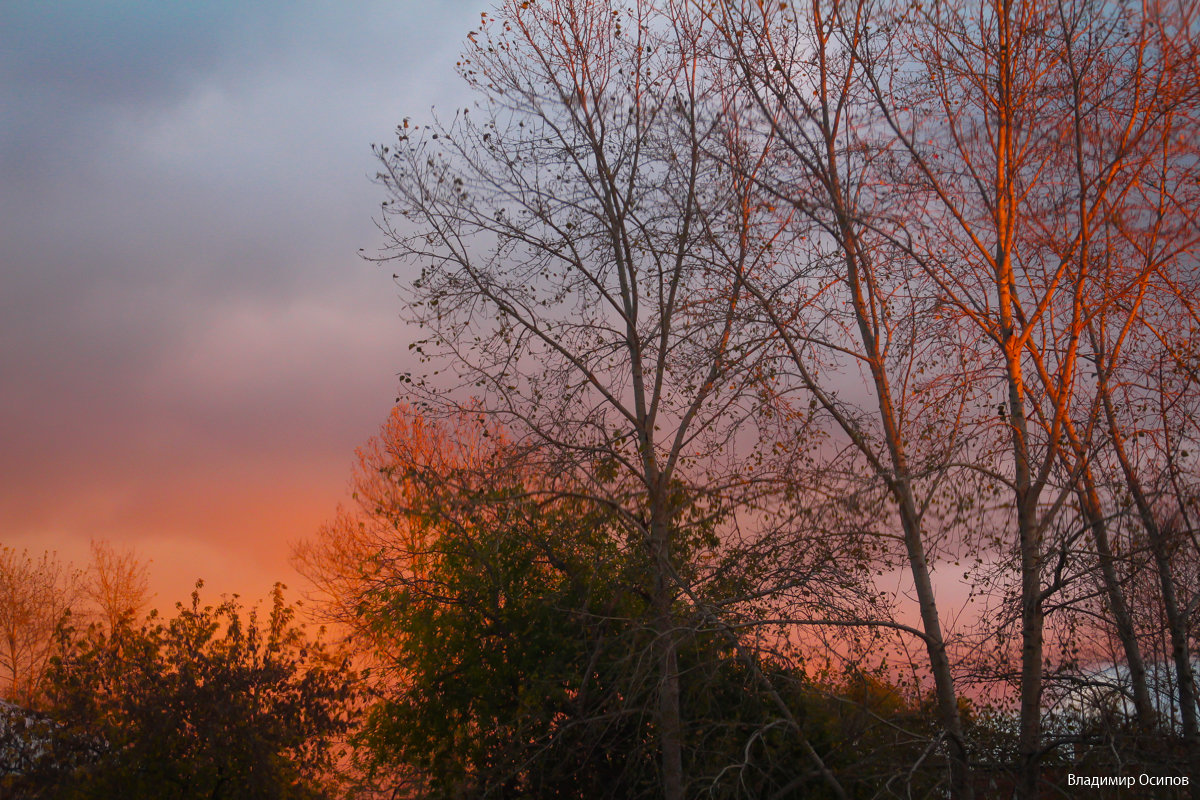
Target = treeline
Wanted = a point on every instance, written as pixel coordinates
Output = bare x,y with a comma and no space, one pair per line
775,306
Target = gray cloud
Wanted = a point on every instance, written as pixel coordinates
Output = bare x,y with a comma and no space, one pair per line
183,316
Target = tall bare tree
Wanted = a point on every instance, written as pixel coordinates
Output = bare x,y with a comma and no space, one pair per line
1023,126
1142,348
844,301
583,249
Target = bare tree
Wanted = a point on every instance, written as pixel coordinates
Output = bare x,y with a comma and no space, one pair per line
584,251
962,171
1024,125
846,302
117,584
36,594
1144,368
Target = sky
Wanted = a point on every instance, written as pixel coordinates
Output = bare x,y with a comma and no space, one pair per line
191,347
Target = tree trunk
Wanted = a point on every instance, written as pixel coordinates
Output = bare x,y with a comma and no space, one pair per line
1122,617
670,718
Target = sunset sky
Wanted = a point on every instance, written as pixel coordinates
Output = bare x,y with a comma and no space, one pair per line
190,346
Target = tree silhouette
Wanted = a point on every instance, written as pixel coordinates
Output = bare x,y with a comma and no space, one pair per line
210,703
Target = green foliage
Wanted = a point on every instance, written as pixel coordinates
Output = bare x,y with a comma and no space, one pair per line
521,665
211,703
515,655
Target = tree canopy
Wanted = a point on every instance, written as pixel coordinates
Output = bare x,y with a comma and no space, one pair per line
211,703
